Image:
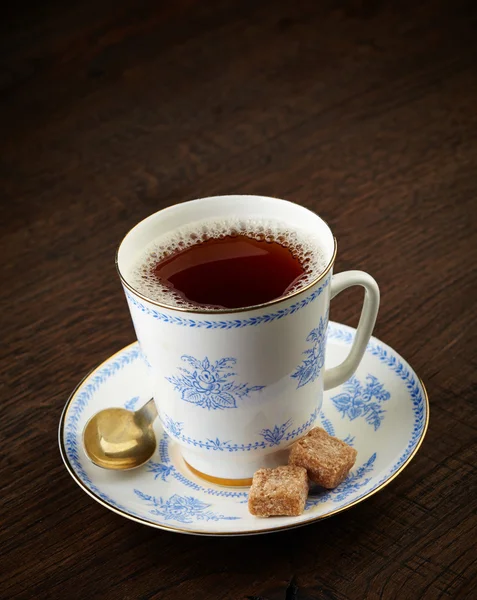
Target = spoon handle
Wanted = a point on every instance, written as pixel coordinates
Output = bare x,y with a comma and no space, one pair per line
148,412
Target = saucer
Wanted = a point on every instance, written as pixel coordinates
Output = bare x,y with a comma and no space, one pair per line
382,411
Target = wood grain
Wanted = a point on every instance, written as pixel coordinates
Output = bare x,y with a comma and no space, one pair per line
365,111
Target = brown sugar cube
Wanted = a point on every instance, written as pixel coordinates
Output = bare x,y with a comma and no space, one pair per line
278,492
326,458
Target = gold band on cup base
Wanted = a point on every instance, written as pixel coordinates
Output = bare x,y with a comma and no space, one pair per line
219,480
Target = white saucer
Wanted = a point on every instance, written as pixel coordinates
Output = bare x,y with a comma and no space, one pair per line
383,412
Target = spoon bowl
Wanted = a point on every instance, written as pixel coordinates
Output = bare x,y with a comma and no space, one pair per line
120,439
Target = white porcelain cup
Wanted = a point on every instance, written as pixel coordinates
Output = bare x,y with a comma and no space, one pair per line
235,388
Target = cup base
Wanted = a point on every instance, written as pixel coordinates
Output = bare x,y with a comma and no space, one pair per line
237,472
220,480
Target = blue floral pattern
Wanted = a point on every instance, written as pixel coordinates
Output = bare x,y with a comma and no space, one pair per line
218,444
131,403
270,437
184,509
310,369
362,400
327,425
174,427
275,436
207,384
160,470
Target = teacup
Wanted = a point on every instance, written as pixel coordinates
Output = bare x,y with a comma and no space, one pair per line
235,388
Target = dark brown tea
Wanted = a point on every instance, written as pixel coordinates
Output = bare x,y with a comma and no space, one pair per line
226,265
230,272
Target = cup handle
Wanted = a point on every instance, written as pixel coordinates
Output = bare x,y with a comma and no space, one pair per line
341,281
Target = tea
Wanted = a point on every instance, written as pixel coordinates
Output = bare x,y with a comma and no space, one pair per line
227,266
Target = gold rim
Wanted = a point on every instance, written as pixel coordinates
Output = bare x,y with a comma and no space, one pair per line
222,481
120,512
221,311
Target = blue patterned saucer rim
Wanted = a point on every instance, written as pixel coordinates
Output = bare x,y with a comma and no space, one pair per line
339,332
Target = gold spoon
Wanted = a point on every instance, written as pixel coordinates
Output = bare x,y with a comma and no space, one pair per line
116,438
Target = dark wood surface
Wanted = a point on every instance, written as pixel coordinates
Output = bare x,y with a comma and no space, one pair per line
364,111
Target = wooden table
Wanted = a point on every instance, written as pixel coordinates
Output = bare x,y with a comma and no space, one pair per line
363,111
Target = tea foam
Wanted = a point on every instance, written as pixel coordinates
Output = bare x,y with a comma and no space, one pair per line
303,245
